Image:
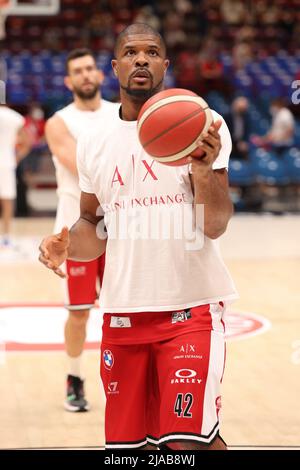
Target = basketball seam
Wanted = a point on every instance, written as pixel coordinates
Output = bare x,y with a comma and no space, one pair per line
192,146
186,118
171,99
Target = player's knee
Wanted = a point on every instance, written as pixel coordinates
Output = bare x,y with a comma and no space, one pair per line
79,318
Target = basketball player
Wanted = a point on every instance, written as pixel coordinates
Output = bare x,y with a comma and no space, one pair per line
14,145
88,110
163,345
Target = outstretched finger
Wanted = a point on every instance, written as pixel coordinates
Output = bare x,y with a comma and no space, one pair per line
44,251
216,125
60,273
44,260
64,234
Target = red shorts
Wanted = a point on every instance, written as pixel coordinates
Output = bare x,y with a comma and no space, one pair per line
81,283
164,390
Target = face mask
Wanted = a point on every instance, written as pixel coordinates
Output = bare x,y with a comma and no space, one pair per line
37,114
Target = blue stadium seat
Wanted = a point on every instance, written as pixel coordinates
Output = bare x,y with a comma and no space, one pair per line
257,153
293,152
271,171
294,170
240,173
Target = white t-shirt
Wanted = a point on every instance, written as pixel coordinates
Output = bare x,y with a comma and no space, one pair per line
153,260
10,124
283,121
77,122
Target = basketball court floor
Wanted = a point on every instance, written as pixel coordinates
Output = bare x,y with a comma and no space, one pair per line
261,387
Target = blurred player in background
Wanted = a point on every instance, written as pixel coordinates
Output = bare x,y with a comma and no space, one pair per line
14,145
88,110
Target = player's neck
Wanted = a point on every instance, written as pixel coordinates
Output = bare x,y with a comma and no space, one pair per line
88,105
130,108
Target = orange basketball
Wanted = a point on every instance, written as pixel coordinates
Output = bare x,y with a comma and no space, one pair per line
170,123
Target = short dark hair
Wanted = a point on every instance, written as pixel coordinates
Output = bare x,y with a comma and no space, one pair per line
138,28
279,101
77,53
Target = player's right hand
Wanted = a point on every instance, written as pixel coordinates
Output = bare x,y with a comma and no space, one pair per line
54,251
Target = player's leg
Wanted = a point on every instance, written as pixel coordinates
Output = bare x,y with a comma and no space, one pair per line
75,334
7,196
190,369
7,215
124,373
80,297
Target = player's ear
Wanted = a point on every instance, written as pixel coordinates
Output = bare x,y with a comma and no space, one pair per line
166,64
68,83
114,64
101,76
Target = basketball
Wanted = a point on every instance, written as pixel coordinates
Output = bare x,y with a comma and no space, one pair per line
170,124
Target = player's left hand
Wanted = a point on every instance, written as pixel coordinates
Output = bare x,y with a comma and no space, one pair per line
210,144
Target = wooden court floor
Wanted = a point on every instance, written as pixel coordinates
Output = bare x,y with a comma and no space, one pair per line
261,386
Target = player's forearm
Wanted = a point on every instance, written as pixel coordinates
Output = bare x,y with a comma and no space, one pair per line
86,242
218,207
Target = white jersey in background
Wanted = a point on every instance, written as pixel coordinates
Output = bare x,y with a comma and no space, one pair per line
77,122
158,272
10,124
283,123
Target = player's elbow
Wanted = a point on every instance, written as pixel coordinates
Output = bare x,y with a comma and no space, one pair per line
214,233
214,228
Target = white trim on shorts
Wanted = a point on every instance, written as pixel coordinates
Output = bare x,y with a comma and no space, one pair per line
152,440
126,445
191,437
79,307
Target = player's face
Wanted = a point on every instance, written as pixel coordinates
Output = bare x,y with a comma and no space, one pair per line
84,78
140,65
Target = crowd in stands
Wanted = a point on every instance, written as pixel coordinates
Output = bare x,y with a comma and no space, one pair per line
241,56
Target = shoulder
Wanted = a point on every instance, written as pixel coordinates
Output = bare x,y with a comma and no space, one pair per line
285,113
110,104
13,116
66,111
55,124
109,108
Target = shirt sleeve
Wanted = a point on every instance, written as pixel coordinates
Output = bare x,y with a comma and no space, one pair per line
222,159
85,183
18,120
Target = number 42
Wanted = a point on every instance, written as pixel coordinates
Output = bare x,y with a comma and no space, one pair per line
183,401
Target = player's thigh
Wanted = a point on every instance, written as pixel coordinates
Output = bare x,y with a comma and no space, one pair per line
7,184
80,285
124,373
190,369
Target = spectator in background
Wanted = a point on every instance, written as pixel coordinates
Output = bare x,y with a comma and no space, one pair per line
281,134
212,77
35,128
146,15
239,126
186,68
233,11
